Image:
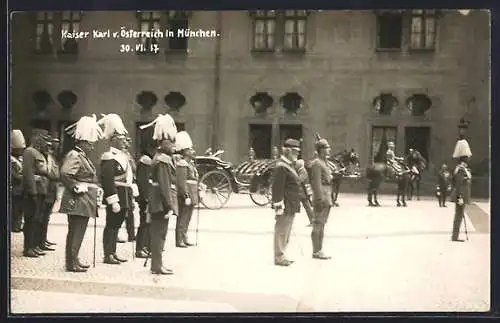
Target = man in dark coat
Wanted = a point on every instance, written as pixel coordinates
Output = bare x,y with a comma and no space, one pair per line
143,175
286,195
81,195
321,182
443,185
35,182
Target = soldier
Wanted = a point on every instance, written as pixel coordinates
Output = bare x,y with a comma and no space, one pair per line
306,192
116,180
17,145
187,185
35,183
53,175
163,191
142,248
443,185
462,181
392,160
129,220
321,182
81,195
286,191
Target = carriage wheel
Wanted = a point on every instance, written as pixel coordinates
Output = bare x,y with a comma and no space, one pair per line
218,189
262,196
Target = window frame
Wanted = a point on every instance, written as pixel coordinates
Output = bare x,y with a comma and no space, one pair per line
264,18
380,15
71,24
150,20
423,33
298,16
45,22
172,16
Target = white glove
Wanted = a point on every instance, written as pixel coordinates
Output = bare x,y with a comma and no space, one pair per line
168,215
115,207
81,189
460,201
279,211
187,201
135,190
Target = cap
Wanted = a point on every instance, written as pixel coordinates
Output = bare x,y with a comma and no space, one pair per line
292,143
322,144
17,140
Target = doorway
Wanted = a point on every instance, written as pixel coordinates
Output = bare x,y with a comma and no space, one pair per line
418,138
260,140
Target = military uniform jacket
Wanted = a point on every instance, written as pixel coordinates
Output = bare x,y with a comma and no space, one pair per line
78,169
53,175
117,178
304,180
187,180
35,180
462,182
444,179
286,186
143,175
321,183
163,191
16,175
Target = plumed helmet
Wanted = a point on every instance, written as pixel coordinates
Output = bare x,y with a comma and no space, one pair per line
86,129
112,126
165,127
462,149
322,144
17,140
183,141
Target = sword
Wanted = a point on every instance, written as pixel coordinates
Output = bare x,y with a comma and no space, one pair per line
465,226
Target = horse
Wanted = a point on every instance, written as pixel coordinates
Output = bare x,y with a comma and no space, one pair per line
380,171
344,163
417,164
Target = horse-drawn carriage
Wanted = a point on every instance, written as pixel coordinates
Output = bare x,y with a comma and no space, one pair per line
221,179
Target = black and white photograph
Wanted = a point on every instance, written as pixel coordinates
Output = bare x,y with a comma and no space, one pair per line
251,161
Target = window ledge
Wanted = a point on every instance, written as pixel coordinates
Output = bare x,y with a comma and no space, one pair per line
294,51
421,50
178,52
388,50
263,50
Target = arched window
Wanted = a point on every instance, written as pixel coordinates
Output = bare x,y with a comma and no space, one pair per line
292,102
42,99
385,103
261,101
147,100
67,99
175,101
418,104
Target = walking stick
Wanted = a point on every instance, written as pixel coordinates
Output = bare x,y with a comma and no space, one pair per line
95,230
465,226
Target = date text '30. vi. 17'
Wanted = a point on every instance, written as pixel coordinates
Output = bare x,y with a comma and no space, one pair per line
139,48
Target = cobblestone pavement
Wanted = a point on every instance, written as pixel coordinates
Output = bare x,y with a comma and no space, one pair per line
383,259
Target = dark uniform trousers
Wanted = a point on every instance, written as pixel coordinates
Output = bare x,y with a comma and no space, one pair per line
114,222
143,237
282,231
158,231
47,211
462,191
33,217
317,234
130,224
457,220
77,226
17,213
183,220
306,203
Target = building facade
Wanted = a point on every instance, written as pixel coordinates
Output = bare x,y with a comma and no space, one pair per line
248,79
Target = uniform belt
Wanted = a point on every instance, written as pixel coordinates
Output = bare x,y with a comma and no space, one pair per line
89,185
192,181
173,186
122,184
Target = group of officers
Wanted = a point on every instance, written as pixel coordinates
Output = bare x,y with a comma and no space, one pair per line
163,182
297,183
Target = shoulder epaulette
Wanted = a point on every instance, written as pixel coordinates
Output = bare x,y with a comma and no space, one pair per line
72,153
182,163
145,160
164,158
108,155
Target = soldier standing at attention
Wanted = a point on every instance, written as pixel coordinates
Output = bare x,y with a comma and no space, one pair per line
163,191
443,185
17,145
187,185
306,193
53,175
321,182
80,198
35,182
286,192
142,248
116,181
462,181
129,220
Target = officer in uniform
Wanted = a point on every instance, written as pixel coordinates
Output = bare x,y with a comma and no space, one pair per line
187,185
129,220
17,145
286,195
116,180
142,247
443,185
321,182
462,181
35,182
53,175
393,161
163,190
81,194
